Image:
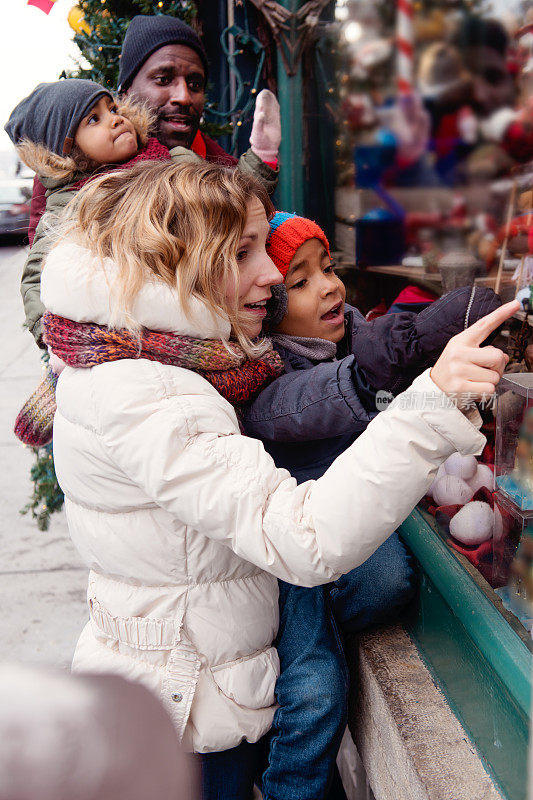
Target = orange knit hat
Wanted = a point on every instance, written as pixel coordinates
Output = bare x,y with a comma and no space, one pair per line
287,233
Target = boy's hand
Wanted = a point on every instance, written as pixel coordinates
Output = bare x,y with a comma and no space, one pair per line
266,129
464,367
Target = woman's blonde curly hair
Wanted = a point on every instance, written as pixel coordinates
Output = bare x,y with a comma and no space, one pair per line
180,224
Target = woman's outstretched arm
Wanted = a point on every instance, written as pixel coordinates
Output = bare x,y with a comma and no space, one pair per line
183,452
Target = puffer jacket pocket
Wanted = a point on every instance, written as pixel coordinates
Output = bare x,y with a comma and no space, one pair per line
249,681
140,633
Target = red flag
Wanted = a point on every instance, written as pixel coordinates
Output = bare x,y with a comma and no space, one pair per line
44,5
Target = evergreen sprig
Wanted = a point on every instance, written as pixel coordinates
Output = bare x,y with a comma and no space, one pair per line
47,496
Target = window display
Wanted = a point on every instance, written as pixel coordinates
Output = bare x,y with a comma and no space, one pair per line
484,507
513,551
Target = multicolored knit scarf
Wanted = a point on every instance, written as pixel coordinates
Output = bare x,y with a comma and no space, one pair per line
78,344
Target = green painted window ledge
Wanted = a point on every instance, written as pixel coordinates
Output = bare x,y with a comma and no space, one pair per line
479,654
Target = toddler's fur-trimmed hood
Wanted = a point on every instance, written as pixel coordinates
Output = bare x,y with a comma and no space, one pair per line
63,168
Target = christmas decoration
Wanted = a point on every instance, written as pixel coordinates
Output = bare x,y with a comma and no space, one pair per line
430,27
483,476
47,496
405,45
236,42
464,467
43,5
365,65
451,490
510,207
473,523
442,75
466,470
410,124
76,20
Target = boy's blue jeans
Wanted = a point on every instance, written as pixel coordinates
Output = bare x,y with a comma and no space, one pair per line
312,688
231,774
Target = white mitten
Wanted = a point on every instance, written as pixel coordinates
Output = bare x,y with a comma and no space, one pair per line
266,129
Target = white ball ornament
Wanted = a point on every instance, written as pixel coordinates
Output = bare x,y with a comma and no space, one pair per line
450,490
440,472
473,524
484,476
461,466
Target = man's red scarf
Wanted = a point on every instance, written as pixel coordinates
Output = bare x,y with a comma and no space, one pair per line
152,151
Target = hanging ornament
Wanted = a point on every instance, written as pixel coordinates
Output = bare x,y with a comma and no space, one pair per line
404,43
77,22
430,26
44,5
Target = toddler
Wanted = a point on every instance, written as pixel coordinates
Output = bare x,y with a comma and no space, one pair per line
67,131
335,365
71,130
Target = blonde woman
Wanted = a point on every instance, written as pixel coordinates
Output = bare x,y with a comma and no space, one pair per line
155,299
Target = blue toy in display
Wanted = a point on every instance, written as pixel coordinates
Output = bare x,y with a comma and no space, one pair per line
518,484
379,234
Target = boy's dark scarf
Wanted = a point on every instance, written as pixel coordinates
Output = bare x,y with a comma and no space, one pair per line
79,344
313,349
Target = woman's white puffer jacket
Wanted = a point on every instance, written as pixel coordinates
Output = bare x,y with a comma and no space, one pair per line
185,524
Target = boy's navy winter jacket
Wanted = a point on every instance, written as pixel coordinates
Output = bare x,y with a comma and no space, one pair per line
314,411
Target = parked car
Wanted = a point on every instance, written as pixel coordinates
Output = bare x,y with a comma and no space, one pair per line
15,196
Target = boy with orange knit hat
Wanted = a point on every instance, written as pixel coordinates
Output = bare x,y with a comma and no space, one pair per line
338,367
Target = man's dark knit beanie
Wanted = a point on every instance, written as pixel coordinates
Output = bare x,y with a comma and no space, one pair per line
50,115
145,35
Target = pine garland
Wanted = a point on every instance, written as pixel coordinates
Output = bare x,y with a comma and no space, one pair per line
47,496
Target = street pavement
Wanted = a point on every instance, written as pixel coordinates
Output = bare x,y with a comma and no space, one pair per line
42,579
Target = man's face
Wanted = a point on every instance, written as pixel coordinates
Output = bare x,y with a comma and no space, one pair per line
492,84
172,83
